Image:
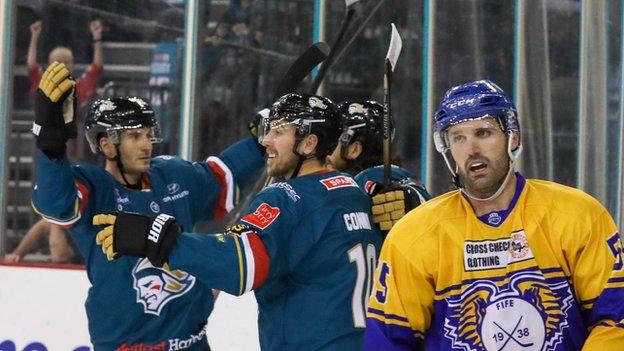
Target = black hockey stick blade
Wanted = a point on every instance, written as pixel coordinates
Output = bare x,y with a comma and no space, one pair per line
336,46
302,66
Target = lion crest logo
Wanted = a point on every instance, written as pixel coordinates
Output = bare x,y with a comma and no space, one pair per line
529,314
156,287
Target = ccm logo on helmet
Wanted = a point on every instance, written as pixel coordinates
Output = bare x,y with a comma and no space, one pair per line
461,103
157,226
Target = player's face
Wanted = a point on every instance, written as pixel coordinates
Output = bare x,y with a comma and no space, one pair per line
335,161
479,148
136,150
279,142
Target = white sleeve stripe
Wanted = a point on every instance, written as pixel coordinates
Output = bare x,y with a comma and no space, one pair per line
57,221
229,181
250,263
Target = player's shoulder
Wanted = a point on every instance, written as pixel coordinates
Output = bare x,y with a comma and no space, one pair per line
376,174
562,197
167,161
91,172
282,191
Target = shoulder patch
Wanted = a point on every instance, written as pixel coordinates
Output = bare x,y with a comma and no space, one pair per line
338,182
263,216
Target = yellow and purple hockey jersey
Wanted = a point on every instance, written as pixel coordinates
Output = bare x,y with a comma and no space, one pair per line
546,274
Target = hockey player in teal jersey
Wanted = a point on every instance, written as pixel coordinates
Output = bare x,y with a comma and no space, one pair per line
306,244
502,263
359,152
131,305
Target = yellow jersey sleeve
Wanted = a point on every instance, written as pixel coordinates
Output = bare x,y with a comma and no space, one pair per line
401,301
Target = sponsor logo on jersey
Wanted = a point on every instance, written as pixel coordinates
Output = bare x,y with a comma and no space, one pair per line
173,188
288,189
492,254
494,218
263,216
338,182
154,207
174,193
156,287
357,221
527,314
169,345
121,199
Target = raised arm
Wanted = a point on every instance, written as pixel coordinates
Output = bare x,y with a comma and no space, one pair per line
55,196
35,33
96,34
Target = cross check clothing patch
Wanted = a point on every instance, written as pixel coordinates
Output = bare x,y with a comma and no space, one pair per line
492,254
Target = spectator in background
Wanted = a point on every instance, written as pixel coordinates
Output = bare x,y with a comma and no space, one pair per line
61,248
86,84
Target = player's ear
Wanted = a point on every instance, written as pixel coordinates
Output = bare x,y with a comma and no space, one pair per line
308,144
107,147
354,150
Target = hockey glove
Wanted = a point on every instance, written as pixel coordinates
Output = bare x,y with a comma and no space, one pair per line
55,104
137,235
252,126
391,203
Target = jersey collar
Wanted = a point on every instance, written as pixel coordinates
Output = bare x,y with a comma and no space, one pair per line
496,218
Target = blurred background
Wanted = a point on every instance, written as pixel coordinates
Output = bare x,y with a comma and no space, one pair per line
208,66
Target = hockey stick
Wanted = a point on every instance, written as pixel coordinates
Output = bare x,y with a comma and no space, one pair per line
299,69
346,21
359,29
394,50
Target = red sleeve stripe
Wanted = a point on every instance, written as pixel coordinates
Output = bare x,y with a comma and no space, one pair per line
224,176
257,260
83,195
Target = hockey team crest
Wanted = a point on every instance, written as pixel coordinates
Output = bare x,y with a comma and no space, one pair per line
528,314
156,287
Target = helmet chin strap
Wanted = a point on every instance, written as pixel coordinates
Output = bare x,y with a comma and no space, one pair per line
513,156
300,159
117,160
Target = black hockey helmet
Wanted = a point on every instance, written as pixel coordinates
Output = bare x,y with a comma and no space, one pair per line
311,114
362,120
107,117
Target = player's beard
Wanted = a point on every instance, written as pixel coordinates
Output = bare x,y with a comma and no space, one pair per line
487,185
283,168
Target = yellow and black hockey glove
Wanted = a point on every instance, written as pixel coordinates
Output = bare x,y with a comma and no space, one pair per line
391,203
55,105
137,235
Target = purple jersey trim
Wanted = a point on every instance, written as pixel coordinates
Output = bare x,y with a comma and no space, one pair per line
388,316
381,336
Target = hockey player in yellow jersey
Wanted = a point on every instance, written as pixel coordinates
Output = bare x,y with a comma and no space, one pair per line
503,263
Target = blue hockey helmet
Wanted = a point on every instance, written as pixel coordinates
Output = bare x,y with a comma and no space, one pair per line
474,100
